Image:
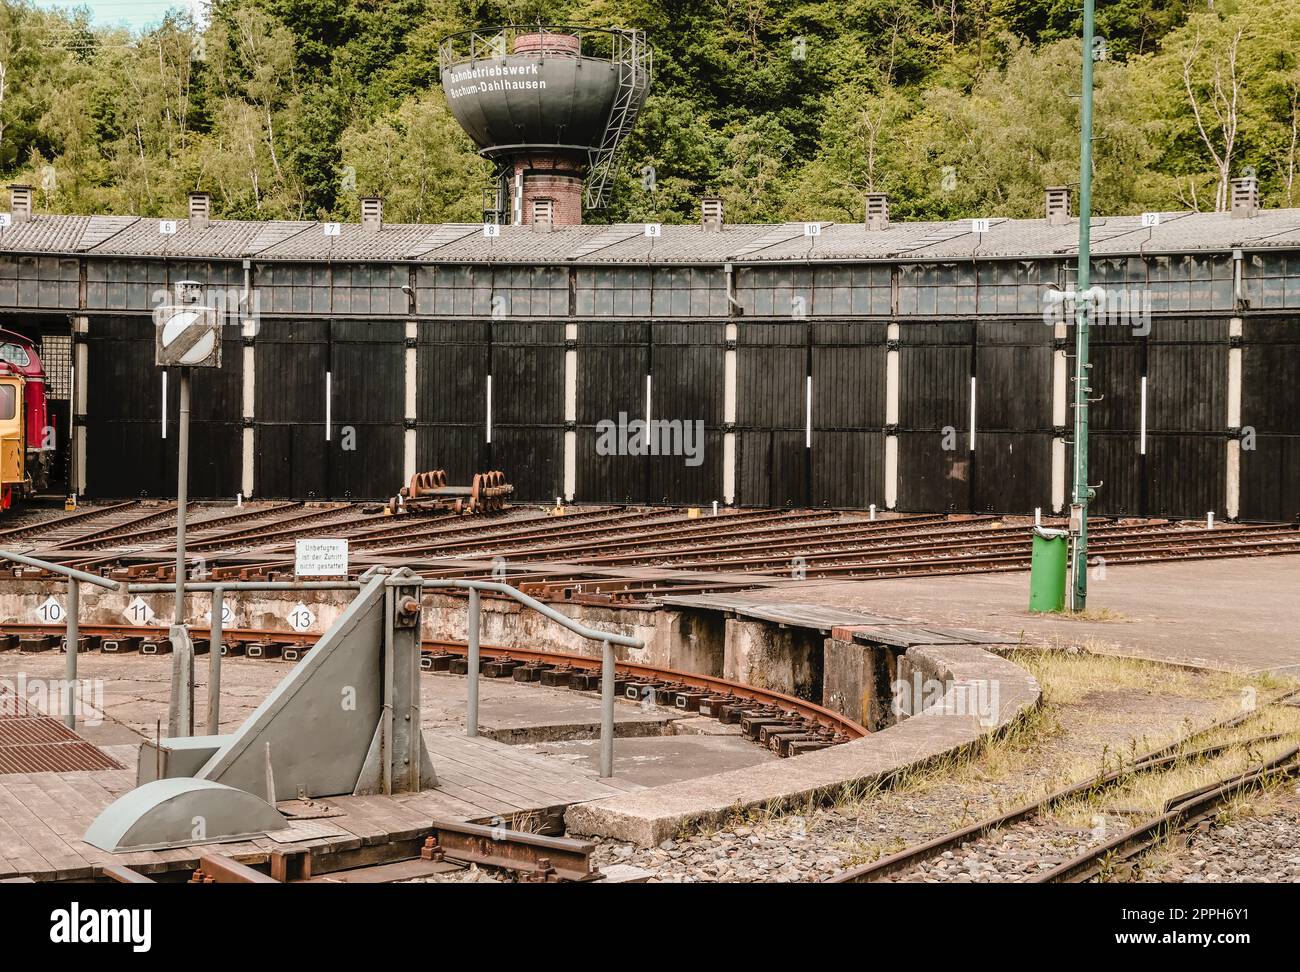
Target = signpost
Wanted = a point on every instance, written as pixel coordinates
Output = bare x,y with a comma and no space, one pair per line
188,336
1082,492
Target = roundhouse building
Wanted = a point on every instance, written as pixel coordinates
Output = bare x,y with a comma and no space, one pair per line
913,366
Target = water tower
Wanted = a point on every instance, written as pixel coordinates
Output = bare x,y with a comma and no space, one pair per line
549,106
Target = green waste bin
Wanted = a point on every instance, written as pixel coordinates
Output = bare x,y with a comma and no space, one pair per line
1047,570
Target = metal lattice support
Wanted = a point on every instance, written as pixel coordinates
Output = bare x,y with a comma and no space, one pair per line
635,61
496,194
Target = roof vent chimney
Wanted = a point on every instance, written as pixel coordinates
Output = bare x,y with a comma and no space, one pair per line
711,215
1245,197
543,213
877,211
372,214
200,210
1058,205
20,205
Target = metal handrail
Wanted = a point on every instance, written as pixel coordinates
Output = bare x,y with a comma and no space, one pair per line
70,572
72,612
218,590
592,634
607,661
468,46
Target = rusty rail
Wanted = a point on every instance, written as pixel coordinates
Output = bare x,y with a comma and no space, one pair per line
689,684
542,859
1181,813
623,555
218,869
1160,758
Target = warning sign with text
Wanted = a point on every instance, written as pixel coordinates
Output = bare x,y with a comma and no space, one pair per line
321,558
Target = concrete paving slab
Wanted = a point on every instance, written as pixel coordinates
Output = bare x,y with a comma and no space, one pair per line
518,712
663,759
1232,614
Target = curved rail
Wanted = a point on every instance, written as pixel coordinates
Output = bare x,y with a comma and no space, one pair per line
828,718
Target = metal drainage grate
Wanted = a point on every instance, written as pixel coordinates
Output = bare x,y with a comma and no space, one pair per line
34,730
34,743
64,757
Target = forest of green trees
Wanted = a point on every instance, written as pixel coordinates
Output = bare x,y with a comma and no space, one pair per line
787,109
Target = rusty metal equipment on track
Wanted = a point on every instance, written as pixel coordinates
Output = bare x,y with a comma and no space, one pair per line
542,860
429,492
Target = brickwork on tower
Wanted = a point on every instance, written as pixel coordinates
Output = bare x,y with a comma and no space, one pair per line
551,177
548,43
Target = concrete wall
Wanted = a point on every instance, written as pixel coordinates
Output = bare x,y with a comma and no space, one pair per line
20,600
504,622
769,656
695,640
691,643
858,681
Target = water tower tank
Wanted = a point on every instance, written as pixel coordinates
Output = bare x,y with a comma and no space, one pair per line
549,106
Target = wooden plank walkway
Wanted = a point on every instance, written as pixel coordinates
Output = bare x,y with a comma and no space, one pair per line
43,815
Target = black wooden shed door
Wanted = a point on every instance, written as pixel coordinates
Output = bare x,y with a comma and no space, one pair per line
329,408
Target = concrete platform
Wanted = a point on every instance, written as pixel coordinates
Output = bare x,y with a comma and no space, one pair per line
516,713
651,761
1232,614
650,816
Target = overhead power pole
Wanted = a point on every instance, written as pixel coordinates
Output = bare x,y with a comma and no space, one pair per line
1083,492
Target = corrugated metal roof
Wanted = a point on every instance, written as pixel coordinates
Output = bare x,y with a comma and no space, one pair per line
101,229
774,236
389,242
440,235
144,237
628,243
306,241
608,237
270,234
516,244
44,234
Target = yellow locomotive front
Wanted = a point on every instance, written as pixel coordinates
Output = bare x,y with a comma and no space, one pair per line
13,445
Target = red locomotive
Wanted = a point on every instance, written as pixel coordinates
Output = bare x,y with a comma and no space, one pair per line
26,437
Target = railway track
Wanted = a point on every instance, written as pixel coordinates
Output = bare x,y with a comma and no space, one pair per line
450,848
1179,812
784,724
610,555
